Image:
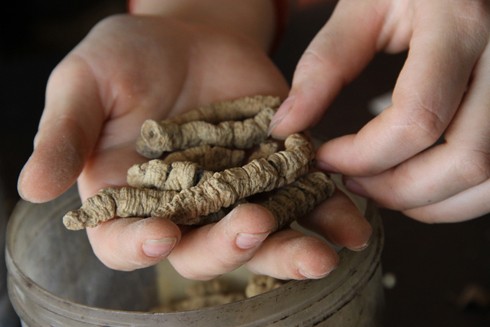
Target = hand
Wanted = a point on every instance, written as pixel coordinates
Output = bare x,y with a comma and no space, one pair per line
442,91
130,69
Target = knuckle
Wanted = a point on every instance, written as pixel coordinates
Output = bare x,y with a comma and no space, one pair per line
472,23
310,59
424,124
474,168
313,62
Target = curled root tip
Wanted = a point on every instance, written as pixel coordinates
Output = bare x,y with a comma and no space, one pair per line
71,220
149,143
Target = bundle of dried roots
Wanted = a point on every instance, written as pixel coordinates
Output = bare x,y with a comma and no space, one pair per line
206,162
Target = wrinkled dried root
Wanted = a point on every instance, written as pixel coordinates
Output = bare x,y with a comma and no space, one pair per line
188,192
170,135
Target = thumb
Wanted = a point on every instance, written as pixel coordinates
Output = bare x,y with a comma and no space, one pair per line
68,130
336,55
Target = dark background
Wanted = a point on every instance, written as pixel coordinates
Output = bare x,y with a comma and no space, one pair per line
434,266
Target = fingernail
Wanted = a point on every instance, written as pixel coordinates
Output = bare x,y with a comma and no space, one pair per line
281,113
326,167
355,187
159,248
362,247
247,241
309,275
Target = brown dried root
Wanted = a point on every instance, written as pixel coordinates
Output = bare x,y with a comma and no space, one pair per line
213,158
183,169
203,294
227,187
298,198
264,150
120,202
159,137
189,193
221,190
286,204
158,174
237,109
260,284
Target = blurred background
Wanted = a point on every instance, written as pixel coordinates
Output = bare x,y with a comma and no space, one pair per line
434,275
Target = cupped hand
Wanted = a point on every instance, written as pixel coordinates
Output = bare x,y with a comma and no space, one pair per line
129,69
428,154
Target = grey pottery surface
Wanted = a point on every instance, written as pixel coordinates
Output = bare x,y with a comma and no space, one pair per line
55,280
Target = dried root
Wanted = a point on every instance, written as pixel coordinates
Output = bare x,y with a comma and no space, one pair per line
198,128
264,150
120,202
157,174
260,284
298,198
203,294
206,181
238,109
213,158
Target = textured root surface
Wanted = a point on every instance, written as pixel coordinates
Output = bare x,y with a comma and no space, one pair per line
207,176
157,138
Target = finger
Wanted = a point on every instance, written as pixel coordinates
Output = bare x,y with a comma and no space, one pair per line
469,204
290,254
214,249
133,243
462,162
341,222
335,56
108,168
67,133
427,94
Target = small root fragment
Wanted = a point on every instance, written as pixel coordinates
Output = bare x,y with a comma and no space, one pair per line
203,294
260,284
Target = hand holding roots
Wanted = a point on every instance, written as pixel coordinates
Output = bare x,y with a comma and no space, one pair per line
207,177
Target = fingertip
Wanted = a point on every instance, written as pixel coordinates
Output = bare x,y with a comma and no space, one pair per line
320,261
249,218
277,128
289,254
49,172
339,220
159,248
349,155
132,243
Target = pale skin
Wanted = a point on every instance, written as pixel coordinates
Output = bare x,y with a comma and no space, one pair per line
133,68
442,91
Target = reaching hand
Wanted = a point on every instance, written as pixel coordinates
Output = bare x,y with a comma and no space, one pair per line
441,92
129,69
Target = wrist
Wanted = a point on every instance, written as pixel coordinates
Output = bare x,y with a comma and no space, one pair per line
260,21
